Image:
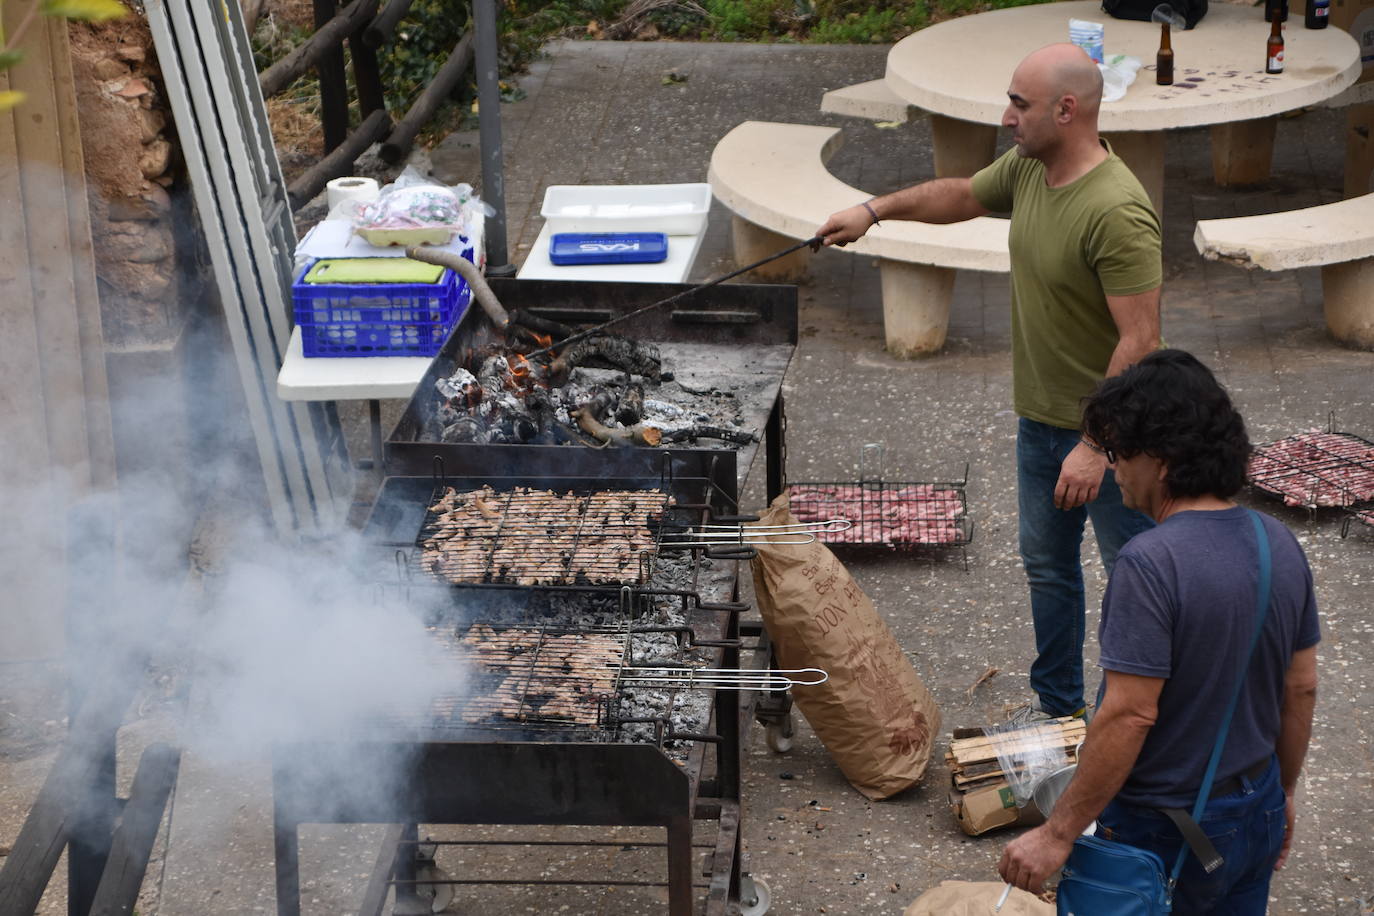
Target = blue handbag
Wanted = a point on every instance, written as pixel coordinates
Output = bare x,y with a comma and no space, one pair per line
1103,877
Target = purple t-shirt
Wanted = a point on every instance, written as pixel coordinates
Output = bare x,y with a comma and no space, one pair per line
1181,606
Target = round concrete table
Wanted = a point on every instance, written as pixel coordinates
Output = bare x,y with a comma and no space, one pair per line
959,71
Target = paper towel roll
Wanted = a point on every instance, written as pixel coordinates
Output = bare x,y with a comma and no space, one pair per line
342,189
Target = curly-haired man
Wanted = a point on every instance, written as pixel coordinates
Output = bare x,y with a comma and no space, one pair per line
1177,620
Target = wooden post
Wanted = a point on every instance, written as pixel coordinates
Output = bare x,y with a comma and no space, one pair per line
333,83
1242,152
133,839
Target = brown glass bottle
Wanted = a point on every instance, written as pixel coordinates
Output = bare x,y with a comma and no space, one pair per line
1273,48
1164,60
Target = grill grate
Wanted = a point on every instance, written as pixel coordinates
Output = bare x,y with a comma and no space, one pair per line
886,514
883,513
1315,469
538,537
530,676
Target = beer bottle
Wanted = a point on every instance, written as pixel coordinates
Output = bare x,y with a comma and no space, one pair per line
1318,14
1164,60
1275,7
1273,49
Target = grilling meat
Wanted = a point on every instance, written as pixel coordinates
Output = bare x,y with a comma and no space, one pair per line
538,537
883,514
566,677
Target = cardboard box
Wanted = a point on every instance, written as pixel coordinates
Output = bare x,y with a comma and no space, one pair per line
989,808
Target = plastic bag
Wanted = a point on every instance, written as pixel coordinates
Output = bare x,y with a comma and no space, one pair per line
1027,755
1118,72
414,203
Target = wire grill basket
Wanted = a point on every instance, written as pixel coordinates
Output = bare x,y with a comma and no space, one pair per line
884,513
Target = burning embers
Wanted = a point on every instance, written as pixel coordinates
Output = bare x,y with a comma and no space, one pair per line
539,537
593,393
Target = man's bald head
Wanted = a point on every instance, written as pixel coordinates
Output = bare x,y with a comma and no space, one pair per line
1064,69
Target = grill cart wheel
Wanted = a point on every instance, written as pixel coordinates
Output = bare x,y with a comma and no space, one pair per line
779,734
754,897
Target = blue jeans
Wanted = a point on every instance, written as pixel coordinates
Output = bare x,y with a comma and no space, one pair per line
1050,541
1247,829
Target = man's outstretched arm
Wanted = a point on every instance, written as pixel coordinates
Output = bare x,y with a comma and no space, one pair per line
944,200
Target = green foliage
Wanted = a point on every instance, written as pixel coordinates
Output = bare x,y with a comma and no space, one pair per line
419,47
741,20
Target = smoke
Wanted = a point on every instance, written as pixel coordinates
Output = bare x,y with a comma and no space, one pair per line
253,645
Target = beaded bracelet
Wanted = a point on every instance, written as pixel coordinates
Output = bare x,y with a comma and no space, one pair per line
1094,446
870,212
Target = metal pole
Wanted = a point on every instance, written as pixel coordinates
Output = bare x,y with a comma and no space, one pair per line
489,108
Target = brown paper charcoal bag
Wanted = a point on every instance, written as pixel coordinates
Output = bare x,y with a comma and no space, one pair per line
873,715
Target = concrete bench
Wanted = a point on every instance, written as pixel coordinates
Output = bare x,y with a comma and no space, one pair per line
1337,237
774,178
872,101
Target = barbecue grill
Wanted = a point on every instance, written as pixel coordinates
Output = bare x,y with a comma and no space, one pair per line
596,704
1315,469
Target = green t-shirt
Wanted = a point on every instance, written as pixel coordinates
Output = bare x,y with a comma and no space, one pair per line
1070,248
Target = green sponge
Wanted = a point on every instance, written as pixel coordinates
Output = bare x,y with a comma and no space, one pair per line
373,270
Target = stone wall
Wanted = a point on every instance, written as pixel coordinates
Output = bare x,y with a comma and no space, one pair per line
130,158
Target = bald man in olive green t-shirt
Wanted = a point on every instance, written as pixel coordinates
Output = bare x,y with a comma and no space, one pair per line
1085,276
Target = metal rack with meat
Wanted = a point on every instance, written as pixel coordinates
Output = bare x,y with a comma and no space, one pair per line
893,515
1315,469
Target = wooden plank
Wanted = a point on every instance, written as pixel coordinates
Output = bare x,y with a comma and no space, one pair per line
56,812
49,248
99,422
138,828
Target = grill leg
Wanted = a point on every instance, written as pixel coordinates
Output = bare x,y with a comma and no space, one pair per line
680,867
775,451
408,902
286,847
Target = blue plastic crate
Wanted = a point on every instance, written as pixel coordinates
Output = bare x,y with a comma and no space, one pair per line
378,319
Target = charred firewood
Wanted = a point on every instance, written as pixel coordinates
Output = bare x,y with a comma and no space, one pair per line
601,404
709,432
635,435
610,351
546,326
464,429
631,408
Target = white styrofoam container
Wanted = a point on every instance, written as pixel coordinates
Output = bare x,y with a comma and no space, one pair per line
674,209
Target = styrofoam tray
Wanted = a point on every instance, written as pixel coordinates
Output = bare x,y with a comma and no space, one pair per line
673,209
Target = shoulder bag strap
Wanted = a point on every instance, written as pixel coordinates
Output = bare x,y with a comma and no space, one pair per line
1262,611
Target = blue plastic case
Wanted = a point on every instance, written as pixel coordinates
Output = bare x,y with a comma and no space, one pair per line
570,248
